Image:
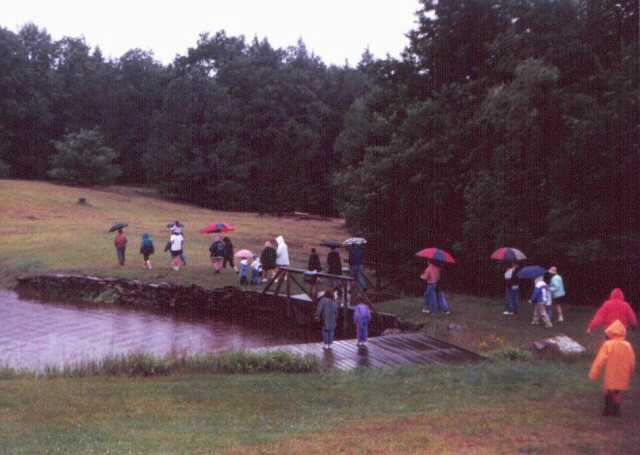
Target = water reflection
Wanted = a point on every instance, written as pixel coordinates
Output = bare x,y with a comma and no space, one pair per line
35,334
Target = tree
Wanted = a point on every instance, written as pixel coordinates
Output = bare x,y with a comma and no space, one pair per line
83,159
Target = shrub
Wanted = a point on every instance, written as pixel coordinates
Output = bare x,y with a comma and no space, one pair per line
83,159
512,354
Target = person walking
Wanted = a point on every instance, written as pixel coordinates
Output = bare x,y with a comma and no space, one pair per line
441,298
216,253
361,318
120,242
314,262
228,254
431,276
146,250
512,291
540,298
556,285
176,228
176,242
615,308
356,261
617,359
282,253
326,312
268,260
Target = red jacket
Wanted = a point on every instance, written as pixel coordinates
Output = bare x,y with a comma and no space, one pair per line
614,309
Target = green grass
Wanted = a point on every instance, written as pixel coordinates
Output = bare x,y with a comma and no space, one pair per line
528,405
498,407
45,229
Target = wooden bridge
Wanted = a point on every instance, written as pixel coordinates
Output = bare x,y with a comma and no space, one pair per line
384,351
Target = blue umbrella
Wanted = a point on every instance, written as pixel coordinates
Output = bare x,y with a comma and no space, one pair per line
530,272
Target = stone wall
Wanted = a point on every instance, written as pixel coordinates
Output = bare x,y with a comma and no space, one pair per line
228,302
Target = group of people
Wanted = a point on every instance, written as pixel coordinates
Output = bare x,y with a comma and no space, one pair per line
327,312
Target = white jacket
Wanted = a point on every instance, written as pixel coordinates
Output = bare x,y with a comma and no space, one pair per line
282,252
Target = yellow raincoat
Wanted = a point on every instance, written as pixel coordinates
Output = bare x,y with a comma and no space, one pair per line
617,358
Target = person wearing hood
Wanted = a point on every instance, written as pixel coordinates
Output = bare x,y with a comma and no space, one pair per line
614,309
176,228
268,260
540,298
146,250
282,253
617,359
216,252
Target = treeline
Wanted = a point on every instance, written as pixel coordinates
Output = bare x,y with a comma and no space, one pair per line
505,122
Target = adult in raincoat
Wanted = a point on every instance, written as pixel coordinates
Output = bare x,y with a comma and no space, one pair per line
282,253
216,253
617,359
146,250
268,260
327,312
614,309
228,253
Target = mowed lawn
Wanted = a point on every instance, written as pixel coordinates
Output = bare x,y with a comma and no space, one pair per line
44,229
540,406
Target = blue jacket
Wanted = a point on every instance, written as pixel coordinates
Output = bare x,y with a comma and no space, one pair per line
328,311
557,286
356,255
541,294
361,313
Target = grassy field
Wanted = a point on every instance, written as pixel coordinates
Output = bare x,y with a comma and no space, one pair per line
45,229
538,406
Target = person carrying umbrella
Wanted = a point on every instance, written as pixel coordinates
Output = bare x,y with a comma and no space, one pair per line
146,250
512,291
216,253
120,242
356,260
432,303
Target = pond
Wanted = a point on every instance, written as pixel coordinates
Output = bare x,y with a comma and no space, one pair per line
35,334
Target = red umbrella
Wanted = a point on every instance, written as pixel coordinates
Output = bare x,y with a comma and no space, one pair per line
217,228
507,254
244,254
437,255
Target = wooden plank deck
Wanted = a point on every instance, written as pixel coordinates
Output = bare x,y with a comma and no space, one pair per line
391,350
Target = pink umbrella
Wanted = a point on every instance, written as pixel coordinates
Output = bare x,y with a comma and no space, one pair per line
244,254
436,254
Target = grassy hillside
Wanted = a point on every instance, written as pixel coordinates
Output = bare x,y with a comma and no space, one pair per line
44,228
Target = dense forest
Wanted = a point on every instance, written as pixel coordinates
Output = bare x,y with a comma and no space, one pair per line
504,122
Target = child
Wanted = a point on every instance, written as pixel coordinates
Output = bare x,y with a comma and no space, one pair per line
243,272
146,250
256,270
541,298
617,358
361,317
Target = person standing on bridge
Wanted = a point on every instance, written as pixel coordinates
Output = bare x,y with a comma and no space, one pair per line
268,260
282,253
327,312
361,317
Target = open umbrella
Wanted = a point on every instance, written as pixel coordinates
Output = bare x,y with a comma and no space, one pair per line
118,226
530,272
507,254
217,228
354,241
330,243
244,254
436,254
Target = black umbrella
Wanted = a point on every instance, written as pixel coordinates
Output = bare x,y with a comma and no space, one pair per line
331,243
118,226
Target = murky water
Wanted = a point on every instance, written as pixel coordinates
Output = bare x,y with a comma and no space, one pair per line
34,334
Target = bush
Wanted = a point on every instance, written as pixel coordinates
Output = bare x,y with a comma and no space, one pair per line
512,354
83,159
